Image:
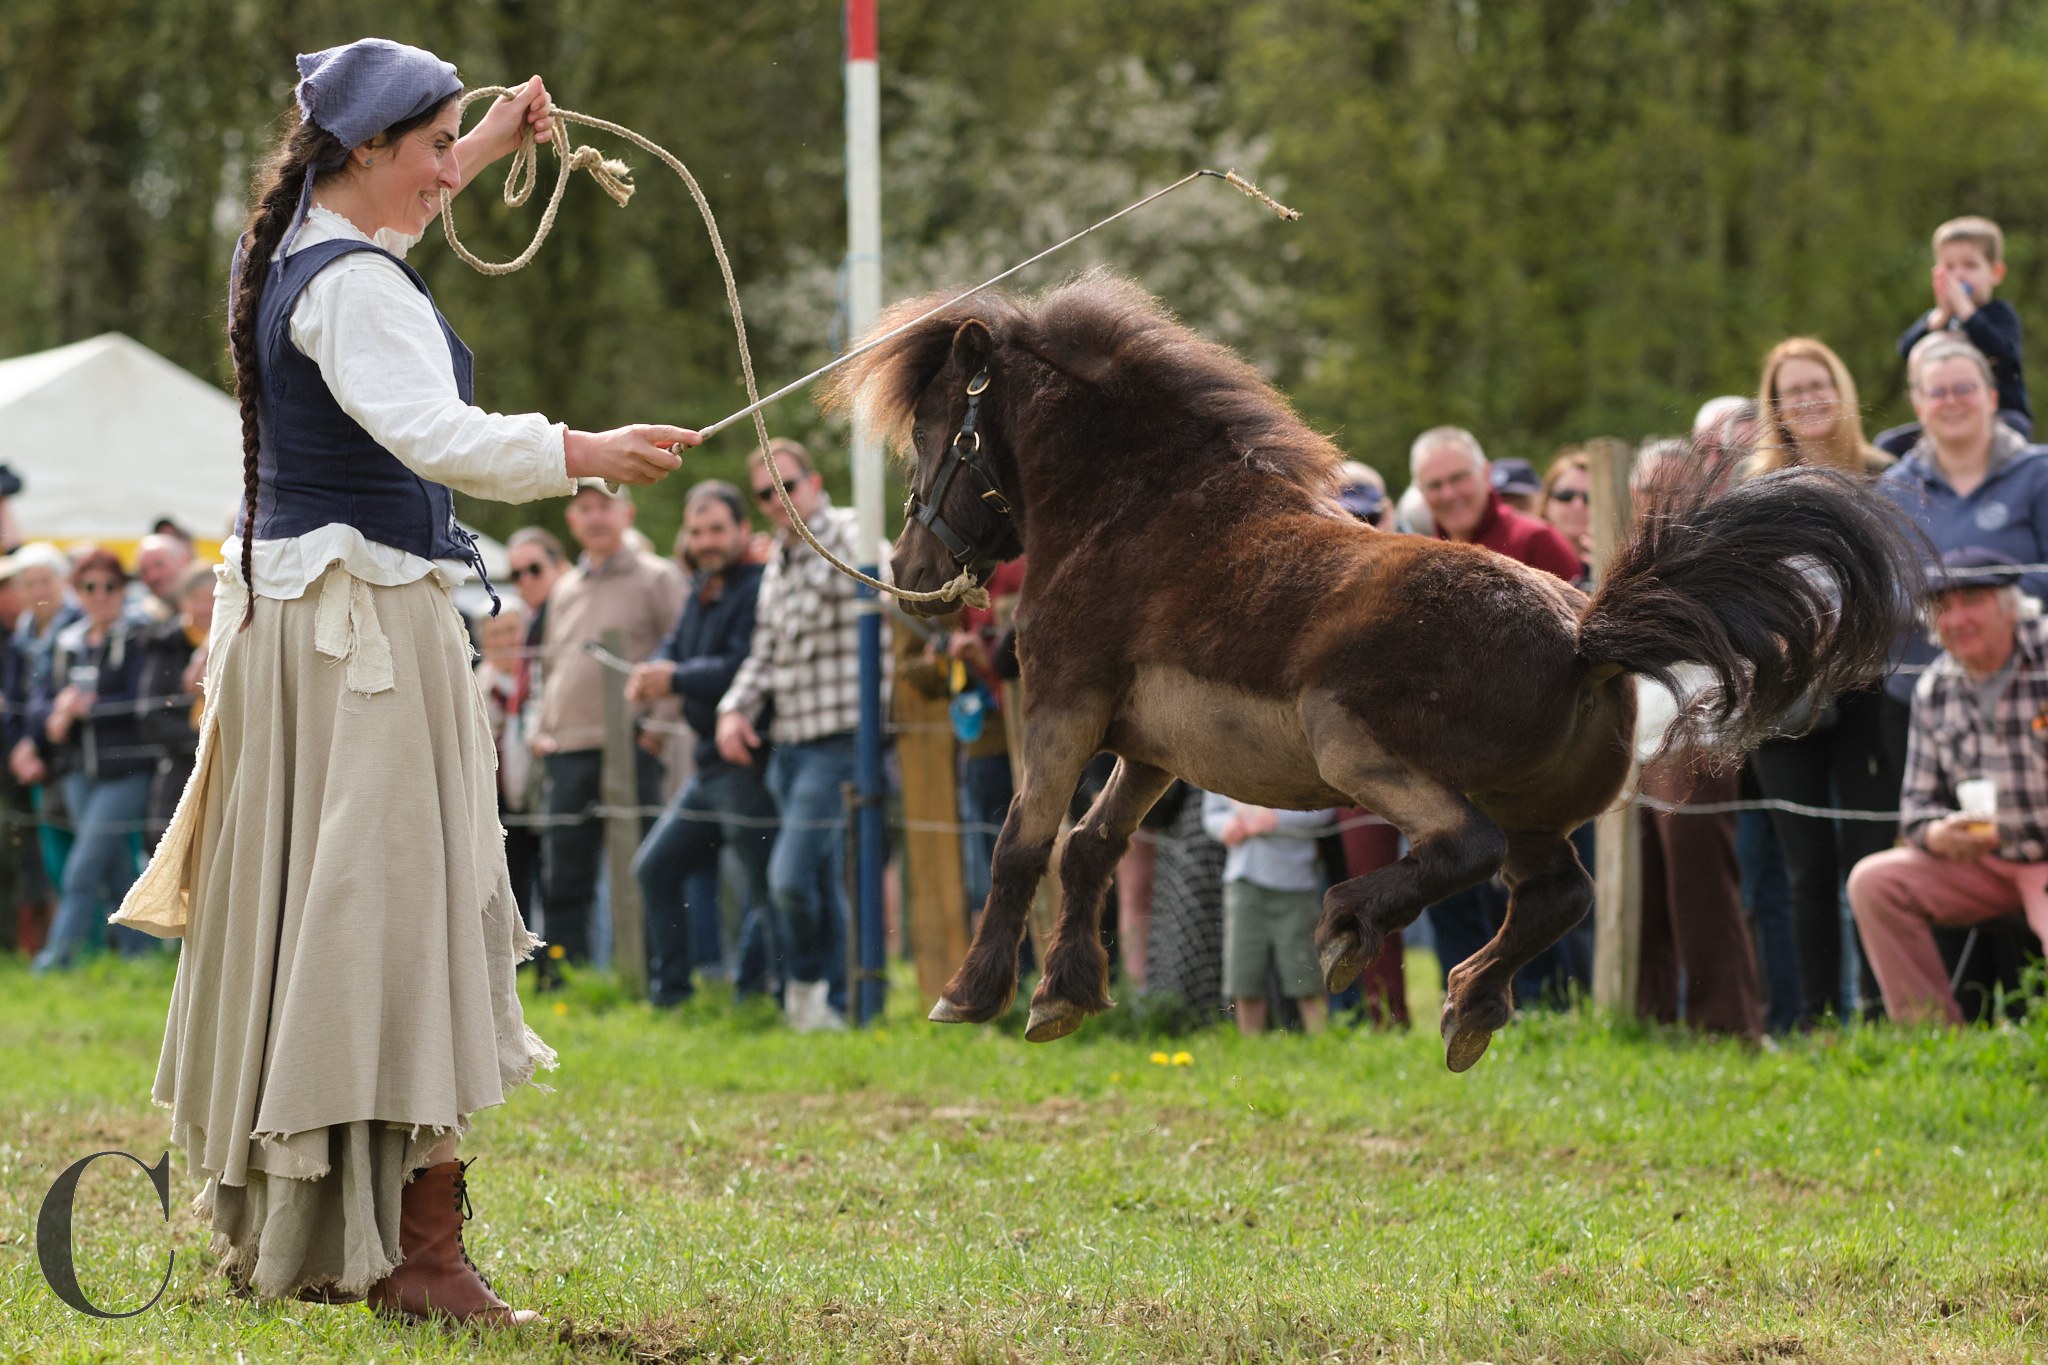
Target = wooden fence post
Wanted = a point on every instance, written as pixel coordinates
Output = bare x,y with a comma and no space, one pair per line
1618,859
935,897
621,793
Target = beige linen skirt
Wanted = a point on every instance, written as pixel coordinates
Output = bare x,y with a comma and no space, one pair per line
345,998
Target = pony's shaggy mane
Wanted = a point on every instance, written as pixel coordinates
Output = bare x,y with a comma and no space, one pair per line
1104,331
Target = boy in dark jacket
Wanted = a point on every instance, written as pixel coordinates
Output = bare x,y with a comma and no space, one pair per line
722,803
1969,263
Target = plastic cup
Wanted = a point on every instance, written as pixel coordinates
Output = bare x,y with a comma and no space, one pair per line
1979,799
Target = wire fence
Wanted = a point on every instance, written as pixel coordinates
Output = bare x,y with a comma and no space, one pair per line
597,811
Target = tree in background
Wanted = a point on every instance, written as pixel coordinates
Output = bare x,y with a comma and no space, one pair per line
1544,220
1554,219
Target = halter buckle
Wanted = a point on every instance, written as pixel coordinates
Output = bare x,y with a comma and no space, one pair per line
977,384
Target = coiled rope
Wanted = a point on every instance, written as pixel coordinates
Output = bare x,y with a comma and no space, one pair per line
615,178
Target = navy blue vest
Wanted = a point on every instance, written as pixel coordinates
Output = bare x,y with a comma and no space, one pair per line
317,463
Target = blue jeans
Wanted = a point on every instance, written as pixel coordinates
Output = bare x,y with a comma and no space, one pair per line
677,867
572,853
1768,895
985,791
807,871
107,821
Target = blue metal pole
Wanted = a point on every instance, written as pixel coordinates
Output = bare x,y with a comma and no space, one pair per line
873,933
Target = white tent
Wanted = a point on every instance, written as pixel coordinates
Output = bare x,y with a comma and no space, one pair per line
108,436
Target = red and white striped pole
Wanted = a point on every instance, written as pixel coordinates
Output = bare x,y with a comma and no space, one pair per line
863,303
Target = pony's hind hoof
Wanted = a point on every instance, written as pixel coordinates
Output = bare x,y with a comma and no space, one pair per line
1464,1046
1052,1019
1342,960
946,1012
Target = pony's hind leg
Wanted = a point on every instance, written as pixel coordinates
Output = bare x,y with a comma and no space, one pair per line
1452,845
1550,893
1056,748
1076,980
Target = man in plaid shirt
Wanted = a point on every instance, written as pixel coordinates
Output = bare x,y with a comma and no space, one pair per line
803,670
1980,711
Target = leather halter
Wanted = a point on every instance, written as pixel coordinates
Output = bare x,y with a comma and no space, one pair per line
964,455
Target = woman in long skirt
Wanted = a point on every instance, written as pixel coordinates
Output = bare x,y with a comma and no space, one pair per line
345,1000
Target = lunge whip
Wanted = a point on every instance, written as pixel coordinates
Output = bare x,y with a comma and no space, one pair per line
616,180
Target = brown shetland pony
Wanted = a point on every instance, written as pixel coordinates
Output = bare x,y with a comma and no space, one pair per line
1199,606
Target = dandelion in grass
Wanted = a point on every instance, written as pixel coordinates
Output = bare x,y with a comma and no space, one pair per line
561,1007
1116,1078
1183,1059
1161,1059
557,951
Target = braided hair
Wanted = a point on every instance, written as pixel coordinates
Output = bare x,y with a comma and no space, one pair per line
278,182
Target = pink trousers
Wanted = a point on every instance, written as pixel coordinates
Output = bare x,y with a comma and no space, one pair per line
1899,894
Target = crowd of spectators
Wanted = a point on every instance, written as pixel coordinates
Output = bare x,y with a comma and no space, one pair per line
99,674
741,654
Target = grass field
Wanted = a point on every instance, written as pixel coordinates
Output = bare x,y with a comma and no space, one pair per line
707,1186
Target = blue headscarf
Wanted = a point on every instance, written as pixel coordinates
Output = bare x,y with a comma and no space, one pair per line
358,90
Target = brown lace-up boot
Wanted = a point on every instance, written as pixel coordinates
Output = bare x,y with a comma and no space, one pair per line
437,1280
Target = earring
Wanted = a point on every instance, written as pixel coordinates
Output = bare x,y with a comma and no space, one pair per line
368,162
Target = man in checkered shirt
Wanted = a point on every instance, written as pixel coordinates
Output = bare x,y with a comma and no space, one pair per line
801,683
1980,711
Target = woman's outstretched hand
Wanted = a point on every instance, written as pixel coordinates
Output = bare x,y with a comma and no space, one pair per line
636,454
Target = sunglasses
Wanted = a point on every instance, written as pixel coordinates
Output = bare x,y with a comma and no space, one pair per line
100,588
1571,495
528,571
765,494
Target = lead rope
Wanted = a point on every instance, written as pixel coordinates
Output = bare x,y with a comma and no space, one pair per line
615,178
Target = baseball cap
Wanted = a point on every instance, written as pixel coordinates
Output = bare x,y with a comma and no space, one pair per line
1514,476
1973,566
1361,500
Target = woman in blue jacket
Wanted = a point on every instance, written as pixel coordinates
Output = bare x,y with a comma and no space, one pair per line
1970,480
82,732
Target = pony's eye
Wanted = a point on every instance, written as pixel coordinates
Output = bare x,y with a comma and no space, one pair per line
917,437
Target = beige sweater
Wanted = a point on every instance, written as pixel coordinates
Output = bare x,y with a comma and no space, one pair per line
632,592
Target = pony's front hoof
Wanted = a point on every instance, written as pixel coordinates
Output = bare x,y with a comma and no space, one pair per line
1342,959
945,1012
1052,1019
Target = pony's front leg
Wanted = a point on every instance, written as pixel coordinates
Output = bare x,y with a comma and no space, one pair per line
1056,749
1076,979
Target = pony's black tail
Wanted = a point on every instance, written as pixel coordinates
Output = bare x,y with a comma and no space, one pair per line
1791,589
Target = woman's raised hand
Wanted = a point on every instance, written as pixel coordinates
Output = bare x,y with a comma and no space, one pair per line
505,122
636,454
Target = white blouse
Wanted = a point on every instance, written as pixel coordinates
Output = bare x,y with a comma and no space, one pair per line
374,336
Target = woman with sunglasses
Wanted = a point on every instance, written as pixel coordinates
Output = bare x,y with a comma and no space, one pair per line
345,1006
1567,504
1969,481
96,751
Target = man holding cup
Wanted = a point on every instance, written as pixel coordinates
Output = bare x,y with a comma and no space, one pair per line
1974,812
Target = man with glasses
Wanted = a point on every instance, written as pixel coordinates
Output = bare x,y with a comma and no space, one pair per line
613,586
804,662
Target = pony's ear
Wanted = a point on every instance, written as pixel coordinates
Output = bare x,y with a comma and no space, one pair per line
972,346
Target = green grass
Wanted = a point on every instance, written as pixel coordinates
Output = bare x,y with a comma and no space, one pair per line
707,1186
